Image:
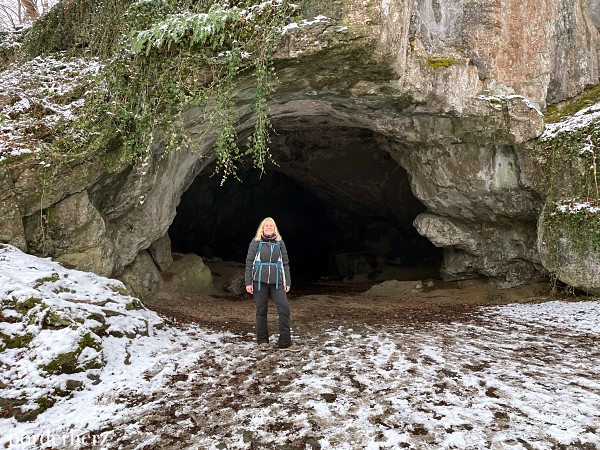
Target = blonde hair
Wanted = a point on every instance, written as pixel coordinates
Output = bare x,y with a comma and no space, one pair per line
259,231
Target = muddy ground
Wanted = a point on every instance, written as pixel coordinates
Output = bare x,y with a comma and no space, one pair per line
361,300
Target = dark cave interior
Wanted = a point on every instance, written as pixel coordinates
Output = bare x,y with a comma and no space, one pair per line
341,204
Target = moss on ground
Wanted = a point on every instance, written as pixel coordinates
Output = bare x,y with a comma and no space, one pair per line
17,341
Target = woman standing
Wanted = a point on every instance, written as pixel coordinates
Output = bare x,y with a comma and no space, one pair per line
268,273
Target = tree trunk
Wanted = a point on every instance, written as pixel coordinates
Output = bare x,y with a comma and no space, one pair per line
31,11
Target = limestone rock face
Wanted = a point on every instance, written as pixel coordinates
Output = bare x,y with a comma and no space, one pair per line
75,233
593,10
11,229
570,257
142,205
544,50
441,97
506,253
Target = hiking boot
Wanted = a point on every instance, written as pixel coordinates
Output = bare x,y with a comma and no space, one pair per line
292,348
264,346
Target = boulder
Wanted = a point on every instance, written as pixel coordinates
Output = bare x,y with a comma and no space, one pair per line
188,273
160,250
505,253
570,251
393,288
141,277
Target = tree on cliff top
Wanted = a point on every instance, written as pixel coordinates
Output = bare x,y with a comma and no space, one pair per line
16,13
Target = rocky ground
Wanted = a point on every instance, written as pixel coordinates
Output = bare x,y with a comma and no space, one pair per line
442,366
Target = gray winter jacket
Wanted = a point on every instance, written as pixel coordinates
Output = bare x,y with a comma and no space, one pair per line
271,266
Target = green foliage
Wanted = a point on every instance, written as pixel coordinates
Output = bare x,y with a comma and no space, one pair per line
78,27
177,55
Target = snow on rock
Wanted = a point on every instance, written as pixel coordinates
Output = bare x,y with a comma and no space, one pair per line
37,95
580,119
52,325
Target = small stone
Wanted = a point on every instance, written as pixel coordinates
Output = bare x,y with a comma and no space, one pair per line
95,378
74,385
248,437
329,397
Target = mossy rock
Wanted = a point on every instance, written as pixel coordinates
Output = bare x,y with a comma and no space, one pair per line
134,304
23,306
121,290
69,387
437,63
63,363
10,407
18,341
569,246
99,329
556,113
69,362
43,403
56,319
54,277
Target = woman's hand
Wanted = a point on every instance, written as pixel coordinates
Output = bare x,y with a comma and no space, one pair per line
286,289
250,289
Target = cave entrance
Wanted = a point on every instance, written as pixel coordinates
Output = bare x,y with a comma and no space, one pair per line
343,206
220,221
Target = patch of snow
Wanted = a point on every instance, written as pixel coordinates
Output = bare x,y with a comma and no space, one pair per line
308,22
496,101
576,207
580,119
37,95
518,376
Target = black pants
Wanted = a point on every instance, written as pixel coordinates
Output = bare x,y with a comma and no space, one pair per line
261,297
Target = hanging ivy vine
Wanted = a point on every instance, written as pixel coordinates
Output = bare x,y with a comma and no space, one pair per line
197,58
179,54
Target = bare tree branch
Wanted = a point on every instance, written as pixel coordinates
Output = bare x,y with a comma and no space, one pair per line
9,16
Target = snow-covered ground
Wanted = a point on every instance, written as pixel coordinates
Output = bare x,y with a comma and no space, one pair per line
515,377
37,95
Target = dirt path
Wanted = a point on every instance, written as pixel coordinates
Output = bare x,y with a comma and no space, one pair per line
329,303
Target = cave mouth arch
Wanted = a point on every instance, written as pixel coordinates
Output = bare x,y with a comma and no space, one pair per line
343,206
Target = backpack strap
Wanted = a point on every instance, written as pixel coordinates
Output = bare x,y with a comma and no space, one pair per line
258,263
